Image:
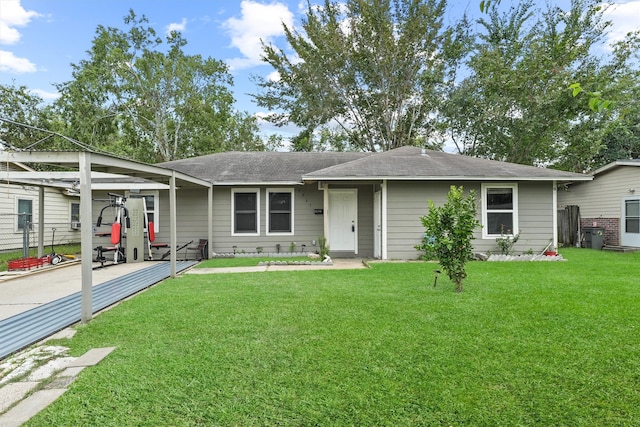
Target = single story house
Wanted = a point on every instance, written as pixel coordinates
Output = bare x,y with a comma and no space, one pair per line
365,204
611,200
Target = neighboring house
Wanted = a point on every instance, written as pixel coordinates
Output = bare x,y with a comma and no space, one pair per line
611,200
19,209
366,204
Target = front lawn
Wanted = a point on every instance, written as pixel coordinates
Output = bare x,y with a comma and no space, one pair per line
539,343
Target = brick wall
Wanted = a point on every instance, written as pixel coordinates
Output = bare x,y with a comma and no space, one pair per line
611,228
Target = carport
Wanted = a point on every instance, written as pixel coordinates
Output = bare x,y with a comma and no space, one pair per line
83,163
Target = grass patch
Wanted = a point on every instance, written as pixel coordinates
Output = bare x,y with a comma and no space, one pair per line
526,343
246,261
5,257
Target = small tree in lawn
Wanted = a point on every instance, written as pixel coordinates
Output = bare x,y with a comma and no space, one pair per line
449,231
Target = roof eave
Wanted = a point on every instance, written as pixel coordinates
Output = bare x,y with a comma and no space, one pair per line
255,183
615,164
445,178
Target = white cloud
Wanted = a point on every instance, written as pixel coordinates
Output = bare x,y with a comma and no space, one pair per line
13,64
273,76
13,15
179,27
258,22
624,17
47,96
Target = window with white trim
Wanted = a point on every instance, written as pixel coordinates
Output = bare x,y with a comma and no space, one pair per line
74,215
280,211
151,201
24,211
245,208
499,210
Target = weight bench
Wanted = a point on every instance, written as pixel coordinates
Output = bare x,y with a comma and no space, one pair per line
101,251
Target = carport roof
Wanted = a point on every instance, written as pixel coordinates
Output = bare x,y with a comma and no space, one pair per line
100,163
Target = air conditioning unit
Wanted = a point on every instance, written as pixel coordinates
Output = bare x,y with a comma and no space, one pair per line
75,225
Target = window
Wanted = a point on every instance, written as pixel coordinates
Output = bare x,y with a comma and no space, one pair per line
279,211
632,216
74,215
499,209
245,205
152,205
25,213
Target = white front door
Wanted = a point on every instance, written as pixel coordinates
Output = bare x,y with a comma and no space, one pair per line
377,224
343,220
630,227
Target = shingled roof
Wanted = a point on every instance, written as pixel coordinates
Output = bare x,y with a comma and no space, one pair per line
413,163
252,167
405,163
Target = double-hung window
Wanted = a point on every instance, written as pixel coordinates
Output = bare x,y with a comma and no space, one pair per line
25,213
74,215
245,206
499,209
279,211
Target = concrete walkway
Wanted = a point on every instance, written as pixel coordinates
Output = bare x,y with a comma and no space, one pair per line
338,264
48,371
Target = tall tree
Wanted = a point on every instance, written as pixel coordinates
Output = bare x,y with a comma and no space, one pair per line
516,105
374,69
20,106
146,99
622,136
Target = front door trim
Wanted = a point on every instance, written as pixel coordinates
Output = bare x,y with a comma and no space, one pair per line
347,226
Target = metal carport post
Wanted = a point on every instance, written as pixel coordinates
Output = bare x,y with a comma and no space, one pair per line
86,161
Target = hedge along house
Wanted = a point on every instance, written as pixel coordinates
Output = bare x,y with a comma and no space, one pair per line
611,201
368,204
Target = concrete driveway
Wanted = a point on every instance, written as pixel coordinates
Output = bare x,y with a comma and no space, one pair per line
22,291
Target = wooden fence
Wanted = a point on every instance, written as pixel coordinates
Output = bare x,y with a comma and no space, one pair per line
569,226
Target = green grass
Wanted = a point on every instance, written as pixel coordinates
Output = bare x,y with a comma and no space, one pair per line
525,344
245,261
5,257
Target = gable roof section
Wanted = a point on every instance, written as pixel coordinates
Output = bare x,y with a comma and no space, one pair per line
413,163
251,168
617,164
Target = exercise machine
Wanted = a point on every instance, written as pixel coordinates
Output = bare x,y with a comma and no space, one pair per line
116,202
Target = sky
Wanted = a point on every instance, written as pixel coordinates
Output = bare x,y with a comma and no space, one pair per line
40,39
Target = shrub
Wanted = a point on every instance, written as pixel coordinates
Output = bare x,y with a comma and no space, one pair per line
449,231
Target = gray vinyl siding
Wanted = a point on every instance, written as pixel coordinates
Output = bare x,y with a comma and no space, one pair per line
192,215
365,221
56,215
601,198
535,217
308,226
407,202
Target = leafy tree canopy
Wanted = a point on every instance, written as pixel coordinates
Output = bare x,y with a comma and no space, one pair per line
374,69
140,96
